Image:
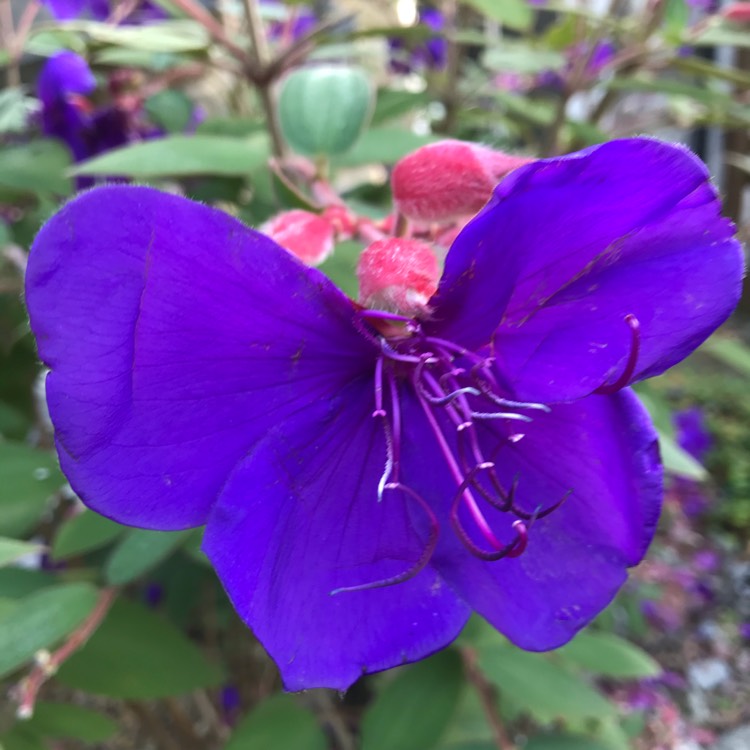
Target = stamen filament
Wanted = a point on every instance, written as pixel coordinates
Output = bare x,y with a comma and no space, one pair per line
635,348
471,504
424,558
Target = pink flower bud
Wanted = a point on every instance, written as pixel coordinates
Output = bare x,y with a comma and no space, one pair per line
737,12
448,179
397,275
304,234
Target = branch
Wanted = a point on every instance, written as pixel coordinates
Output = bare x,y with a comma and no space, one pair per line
262,82
46,667
198,13
488,697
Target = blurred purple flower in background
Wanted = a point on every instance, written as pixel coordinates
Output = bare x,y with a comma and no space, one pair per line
137,11
430,54
200,374
298,20
693,436
63,82
596,60
66,113
692,432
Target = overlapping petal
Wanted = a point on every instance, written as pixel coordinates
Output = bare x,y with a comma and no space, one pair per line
568,247
176,338
604,450
300,518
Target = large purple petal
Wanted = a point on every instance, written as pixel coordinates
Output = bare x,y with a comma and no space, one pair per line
604,449
299,519
568,247
177,338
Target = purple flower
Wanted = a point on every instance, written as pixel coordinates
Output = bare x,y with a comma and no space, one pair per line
368,481
693,435
67,115
300,21
101,10
431,54
64,78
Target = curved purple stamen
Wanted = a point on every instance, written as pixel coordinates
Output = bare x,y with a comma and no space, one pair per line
439,383
500,415
513,549
537,514
424,558
635,347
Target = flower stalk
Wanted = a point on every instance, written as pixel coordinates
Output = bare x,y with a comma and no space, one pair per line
46,667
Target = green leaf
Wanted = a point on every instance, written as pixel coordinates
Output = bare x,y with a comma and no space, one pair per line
170,109
393,103
181,155
341,266
522,58
678,461
36,167
676,19
718,36
135,58
68,721
84,532
732,352
278,722
533,683
413,710
15,110
524,108
135,654
48,40
700,67
140,551
181,35
323,109
383,146
16,583
609,655
42,619
20,737
30,478
516,14
12,549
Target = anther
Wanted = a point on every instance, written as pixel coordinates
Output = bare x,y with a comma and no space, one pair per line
538,513
635,347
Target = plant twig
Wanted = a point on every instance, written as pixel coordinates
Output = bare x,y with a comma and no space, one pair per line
198,13
488,697
156,729
261,60
183,724
450,95
46,668
325,708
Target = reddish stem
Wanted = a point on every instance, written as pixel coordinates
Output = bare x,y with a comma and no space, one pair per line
30,687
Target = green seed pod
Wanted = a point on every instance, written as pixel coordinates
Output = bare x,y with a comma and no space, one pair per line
323,109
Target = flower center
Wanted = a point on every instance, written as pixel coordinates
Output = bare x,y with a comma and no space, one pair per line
458,392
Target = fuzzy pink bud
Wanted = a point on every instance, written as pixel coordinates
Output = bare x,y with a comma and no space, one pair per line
449,179
397,275
304,234
737,12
